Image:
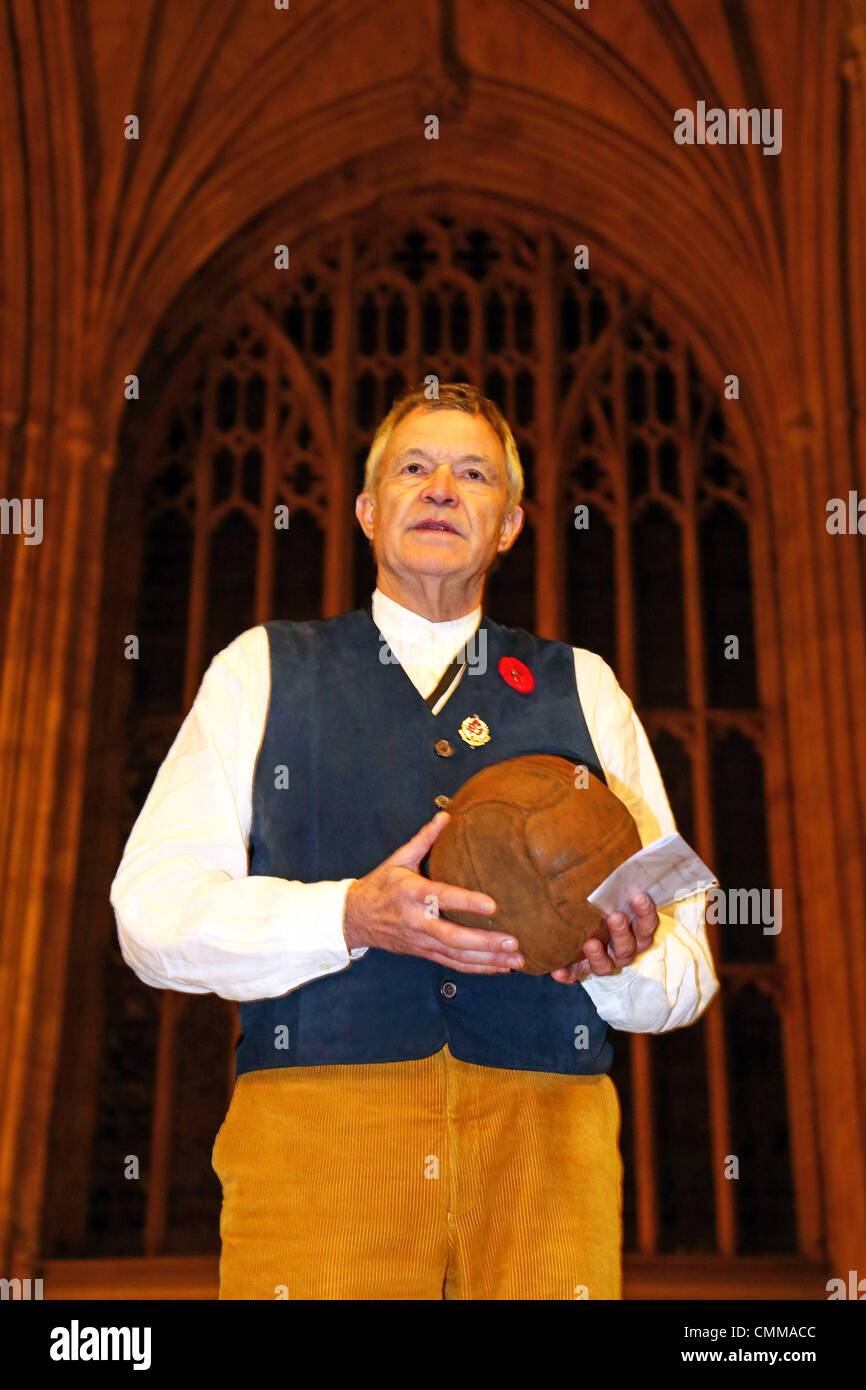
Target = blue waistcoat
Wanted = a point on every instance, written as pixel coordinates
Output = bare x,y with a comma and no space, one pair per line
358,742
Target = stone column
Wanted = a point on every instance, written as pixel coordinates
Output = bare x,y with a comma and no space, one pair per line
45,695
820,788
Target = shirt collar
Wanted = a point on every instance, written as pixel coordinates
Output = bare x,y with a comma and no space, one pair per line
396,621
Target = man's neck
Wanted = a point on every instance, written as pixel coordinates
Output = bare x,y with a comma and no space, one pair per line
431,601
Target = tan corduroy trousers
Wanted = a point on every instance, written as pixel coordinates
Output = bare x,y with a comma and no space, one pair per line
427,1179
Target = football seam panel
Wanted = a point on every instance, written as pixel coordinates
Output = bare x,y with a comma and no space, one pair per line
467,844
553,877
599,845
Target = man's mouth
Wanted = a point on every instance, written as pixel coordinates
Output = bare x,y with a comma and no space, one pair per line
436,526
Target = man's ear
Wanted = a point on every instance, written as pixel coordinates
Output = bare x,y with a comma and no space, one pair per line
364,512
512,525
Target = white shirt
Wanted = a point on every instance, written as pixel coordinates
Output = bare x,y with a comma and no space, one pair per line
191,917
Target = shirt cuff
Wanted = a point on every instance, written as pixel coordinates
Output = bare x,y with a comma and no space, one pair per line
618,983
333,953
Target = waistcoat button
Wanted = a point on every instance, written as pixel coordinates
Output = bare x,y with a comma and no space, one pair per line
443,748
441,801
449,989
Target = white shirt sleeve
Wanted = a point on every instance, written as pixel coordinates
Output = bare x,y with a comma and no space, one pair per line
673,980
189,915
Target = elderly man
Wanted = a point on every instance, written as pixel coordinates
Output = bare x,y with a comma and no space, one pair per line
413,1117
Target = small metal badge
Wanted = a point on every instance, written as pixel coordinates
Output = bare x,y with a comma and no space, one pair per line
474,731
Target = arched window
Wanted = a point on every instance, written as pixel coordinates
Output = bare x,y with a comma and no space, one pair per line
638,544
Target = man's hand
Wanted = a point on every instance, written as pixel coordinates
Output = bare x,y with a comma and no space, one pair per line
627,938
394,907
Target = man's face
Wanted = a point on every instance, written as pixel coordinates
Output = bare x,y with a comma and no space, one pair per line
440,504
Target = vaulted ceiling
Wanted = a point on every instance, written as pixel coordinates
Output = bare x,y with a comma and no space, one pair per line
322,105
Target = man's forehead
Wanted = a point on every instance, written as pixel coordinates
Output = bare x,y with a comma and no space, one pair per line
417,433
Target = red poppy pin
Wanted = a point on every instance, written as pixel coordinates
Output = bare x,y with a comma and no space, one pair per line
516,674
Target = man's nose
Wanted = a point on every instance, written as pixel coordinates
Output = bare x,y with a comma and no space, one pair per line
440,485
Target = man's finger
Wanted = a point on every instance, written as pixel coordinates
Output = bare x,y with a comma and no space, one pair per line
599,960
468,969
409,856
450,898
504,959
622,940
570,974
453,937
646,919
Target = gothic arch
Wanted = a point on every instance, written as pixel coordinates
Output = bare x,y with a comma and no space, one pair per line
479,289
760,261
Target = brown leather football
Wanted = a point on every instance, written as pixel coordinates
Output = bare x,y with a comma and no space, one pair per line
528,832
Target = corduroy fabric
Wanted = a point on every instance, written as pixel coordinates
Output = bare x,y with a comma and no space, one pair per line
426,1179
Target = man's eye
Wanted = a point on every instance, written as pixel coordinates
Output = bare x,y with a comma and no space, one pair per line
411,465
476,471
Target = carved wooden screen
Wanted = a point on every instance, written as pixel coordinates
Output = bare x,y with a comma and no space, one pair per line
277,402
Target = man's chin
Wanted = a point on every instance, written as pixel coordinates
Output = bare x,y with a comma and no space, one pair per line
424,559
439,546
